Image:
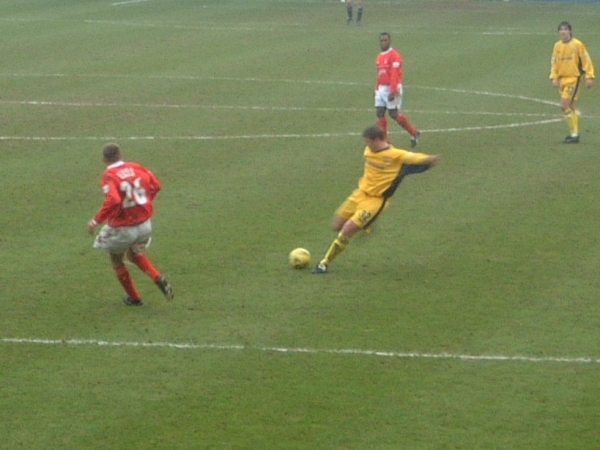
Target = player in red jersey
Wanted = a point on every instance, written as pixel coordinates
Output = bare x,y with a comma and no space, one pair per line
388,91
129,189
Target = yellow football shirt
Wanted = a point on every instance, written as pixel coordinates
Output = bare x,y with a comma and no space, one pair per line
570,60
381,168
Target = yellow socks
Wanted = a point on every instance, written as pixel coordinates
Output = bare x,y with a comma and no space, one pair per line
572,118
337,247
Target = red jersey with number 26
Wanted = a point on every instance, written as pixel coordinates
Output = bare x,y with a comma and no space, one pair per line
389,69
129,189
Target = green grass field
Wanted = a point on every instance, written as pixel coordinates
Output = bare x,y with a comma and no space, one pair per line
470,317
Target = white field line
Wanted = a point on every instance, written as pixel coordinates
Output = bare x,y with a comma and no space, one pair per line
258,108
554,118
128,2
256,136
356,352
212,27
276,80
267,26
270,26
488,93
303,1
270,80
183,77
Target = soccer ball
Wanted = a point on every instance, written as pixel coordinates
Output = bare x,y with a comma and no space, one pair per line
299,258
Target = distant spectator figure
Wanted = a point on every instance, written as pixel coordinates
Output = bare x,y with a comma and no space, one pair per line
350,10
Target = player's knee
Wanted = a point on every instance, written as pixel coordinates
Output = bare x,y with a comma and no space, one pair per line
350,229
337,223
130,255
116,259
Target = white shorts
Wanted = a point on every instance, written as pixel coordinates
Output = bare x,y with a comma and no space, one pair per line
381,97
120,239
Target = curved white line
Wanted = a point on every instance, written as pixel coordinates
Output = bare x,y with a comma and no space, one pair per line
257,136
357,352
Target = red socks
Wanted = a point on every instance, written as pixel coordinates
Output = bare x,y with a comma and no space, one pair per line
382,123
145,265
405,123
402,121
126,281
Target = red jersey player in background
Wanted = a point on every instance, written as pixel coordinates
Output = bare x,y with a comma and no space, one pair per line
129,189
388,91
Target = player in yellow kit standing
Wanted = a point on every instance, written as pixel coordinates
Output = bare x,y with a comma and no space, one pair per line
385,167
570,62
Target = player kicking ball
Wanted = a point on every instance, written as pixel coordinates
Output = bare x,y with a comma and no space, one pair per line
385,167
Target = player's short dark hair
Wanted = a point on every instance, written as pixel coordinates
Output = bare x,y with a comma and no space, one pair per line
565,24
385,33
111,152
374,132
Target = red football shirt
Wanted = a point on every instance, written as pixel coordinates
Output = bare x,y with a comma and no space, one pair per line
389,69
129,189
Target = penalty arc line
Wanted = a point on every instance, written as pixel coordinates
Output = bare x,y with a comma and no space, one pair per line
355,352
43,103
257,136
128,2
254,108
262,136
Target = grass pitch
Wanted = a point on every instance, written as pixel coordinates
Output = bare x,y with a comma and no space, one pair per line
467,320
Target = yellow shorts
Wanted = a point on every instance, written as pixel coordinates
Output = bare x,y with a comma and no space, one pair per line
362,209
569,88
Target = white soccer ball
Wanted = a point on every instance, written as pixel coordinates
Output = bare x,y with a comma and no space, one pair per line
299,258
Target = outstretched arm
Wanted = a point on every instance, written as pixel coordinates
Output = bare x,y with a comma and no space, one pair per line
410,169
